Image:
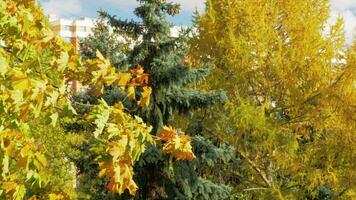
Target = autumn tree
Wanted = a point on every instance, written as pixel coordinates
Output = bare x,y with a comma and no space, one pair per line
291,85
36,67
32,62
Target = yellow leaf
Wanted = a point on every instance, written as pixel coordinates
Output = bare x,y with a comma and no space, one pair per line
131,93
110,79
102,172
25,150
17,96
20,81
123,79
48,35
56,196
5,165
8,186
132,187
3,66
117,149
54,118
63,61
20,192
146,94
99,55
177,145
119,106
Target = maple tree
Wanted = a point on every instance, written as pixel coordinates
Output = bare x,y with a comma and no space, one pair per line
36,68
291,85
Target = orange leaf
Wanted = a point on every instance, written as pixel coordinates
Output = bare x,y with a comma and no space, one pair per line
167,133
137,70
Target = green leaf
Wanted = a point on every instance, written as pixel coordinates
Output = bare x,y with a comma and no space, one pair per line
101,117
54,118
5,165
63,61
20,81
17,96
20,192
3,66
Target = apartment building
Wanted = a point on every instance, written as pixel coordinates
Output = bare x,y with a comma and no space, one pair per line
72,30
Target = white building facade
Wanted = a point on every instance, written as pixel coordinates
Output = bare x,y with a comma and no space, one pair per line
72,30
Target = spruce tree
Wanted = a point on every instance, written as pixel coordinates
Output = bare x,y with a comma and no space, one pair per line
110,45
165,59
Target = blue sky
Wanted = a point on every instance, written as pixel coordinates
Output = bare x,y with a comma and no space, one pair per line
121,8
124,8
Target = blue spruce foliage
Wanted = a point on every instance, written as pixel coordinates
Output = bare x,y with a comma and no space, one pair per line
172,80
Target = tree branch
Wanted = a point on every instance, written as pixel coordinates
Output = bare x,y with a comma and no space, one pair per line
258,170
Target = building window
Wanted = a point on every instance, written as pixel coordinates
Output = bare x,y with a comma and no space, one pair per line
67,28
82,28
67,39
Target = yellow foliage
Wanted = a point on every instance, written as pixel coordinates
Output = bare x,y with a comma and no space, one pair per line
36,67
176,144
291,83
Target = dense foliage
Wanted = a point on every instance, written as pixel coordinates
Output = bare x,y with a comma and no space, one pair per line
291,85
163,57
36,69
153,122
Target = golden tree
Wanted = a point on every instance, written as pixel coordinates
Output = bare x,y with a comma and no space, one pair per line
36,67
291,84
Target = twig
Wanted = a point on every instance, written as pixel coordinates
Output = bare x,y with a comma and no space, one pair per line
249,189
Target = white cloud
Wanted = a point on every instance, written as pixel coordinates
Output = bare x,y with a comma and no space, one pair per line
127,4
350,24
340,5
190,5
347,10
63,7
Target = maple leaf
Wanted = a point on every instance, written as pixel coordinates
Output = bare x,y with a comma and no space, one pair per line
123,79
167,133
137,70
145,99
131,93
176,144
3,66
141,80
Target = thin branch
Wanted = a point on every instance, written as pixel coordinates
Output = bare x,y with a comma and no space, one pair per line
250,189
258,170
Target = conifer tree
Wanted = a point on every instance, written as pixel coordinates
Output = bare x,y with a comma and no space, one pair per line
165,59
110,45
